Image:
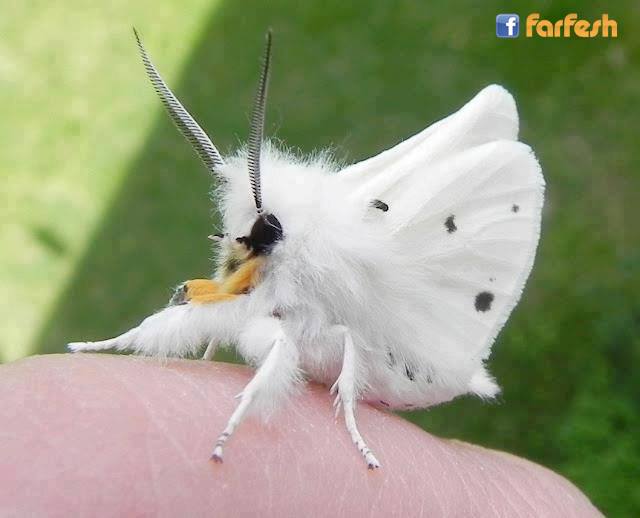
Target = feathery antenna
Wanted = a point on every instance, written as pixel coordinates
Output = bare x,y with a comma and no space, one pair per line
180,116
257,125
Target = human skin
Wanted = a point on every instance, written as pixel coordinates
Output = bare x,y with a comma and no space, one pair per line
104,435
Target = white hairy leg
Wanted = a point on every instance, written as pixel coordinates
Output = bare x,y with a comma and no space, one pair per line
119,342
273,379
179,330
211,350
346,397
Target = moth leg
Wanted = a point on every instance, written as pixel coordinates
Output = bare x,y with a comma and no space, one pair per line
345,386
208,298
174,331
211,350
204,291
120,343
238,283
193,288
244,279
272,380
197,287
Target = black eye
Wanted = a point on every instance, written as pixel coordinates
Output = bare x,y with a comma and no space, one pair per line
266,231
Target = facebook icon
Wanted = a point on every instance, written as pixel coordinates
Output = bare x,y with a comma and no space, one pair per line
507,25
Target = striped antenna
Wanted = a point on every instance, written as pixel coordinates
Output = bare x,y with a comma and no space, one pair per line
257,125
180,116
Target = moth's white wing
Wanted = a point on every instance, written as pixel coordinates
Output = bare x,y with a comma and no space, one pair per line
490,115
465,203
473,222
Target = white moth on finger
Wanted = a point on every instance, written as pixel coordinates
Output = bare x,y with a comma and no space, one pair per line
387,281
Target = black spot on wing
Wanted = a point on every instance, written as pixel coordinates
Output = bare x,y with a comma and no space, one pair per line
483,301
409,373
515,208
384,403
391,359
450,225
379,204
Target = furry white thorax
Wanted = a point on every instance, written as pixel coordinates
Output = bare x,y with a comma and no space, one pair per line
335,266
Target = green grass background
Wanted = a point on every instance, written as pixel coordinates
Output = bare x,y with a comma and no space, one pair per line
104,207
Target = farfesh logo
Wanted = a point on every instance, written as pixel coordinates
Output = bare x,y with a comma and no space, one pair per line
507,25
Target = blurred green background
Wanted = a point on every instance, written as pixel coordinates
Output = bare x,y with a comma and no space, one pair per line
105,207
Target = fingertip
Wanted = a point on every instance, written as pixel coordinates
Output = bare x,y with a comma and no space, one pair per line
160,418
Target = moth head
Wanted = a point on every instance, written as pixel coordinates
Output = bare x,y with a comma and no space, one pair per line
265,233
266,230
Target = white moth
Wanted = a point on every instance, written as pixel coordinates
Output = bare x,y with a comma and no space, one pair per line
387,280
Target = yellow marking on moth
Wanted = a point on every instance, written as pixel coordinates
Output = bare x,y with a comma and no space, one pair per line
212,297
244,278
240,282
199,287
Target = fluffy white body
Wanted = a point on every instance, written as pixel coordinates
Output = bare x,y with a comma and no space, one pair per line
395,301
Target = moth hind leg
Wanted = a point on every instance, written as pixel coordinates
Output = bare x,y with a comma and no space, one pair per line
210,350
346,396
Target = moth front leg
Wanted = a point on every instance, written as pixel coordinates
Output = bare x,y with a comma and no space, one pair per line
346,389
193,288
175,331
277,374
